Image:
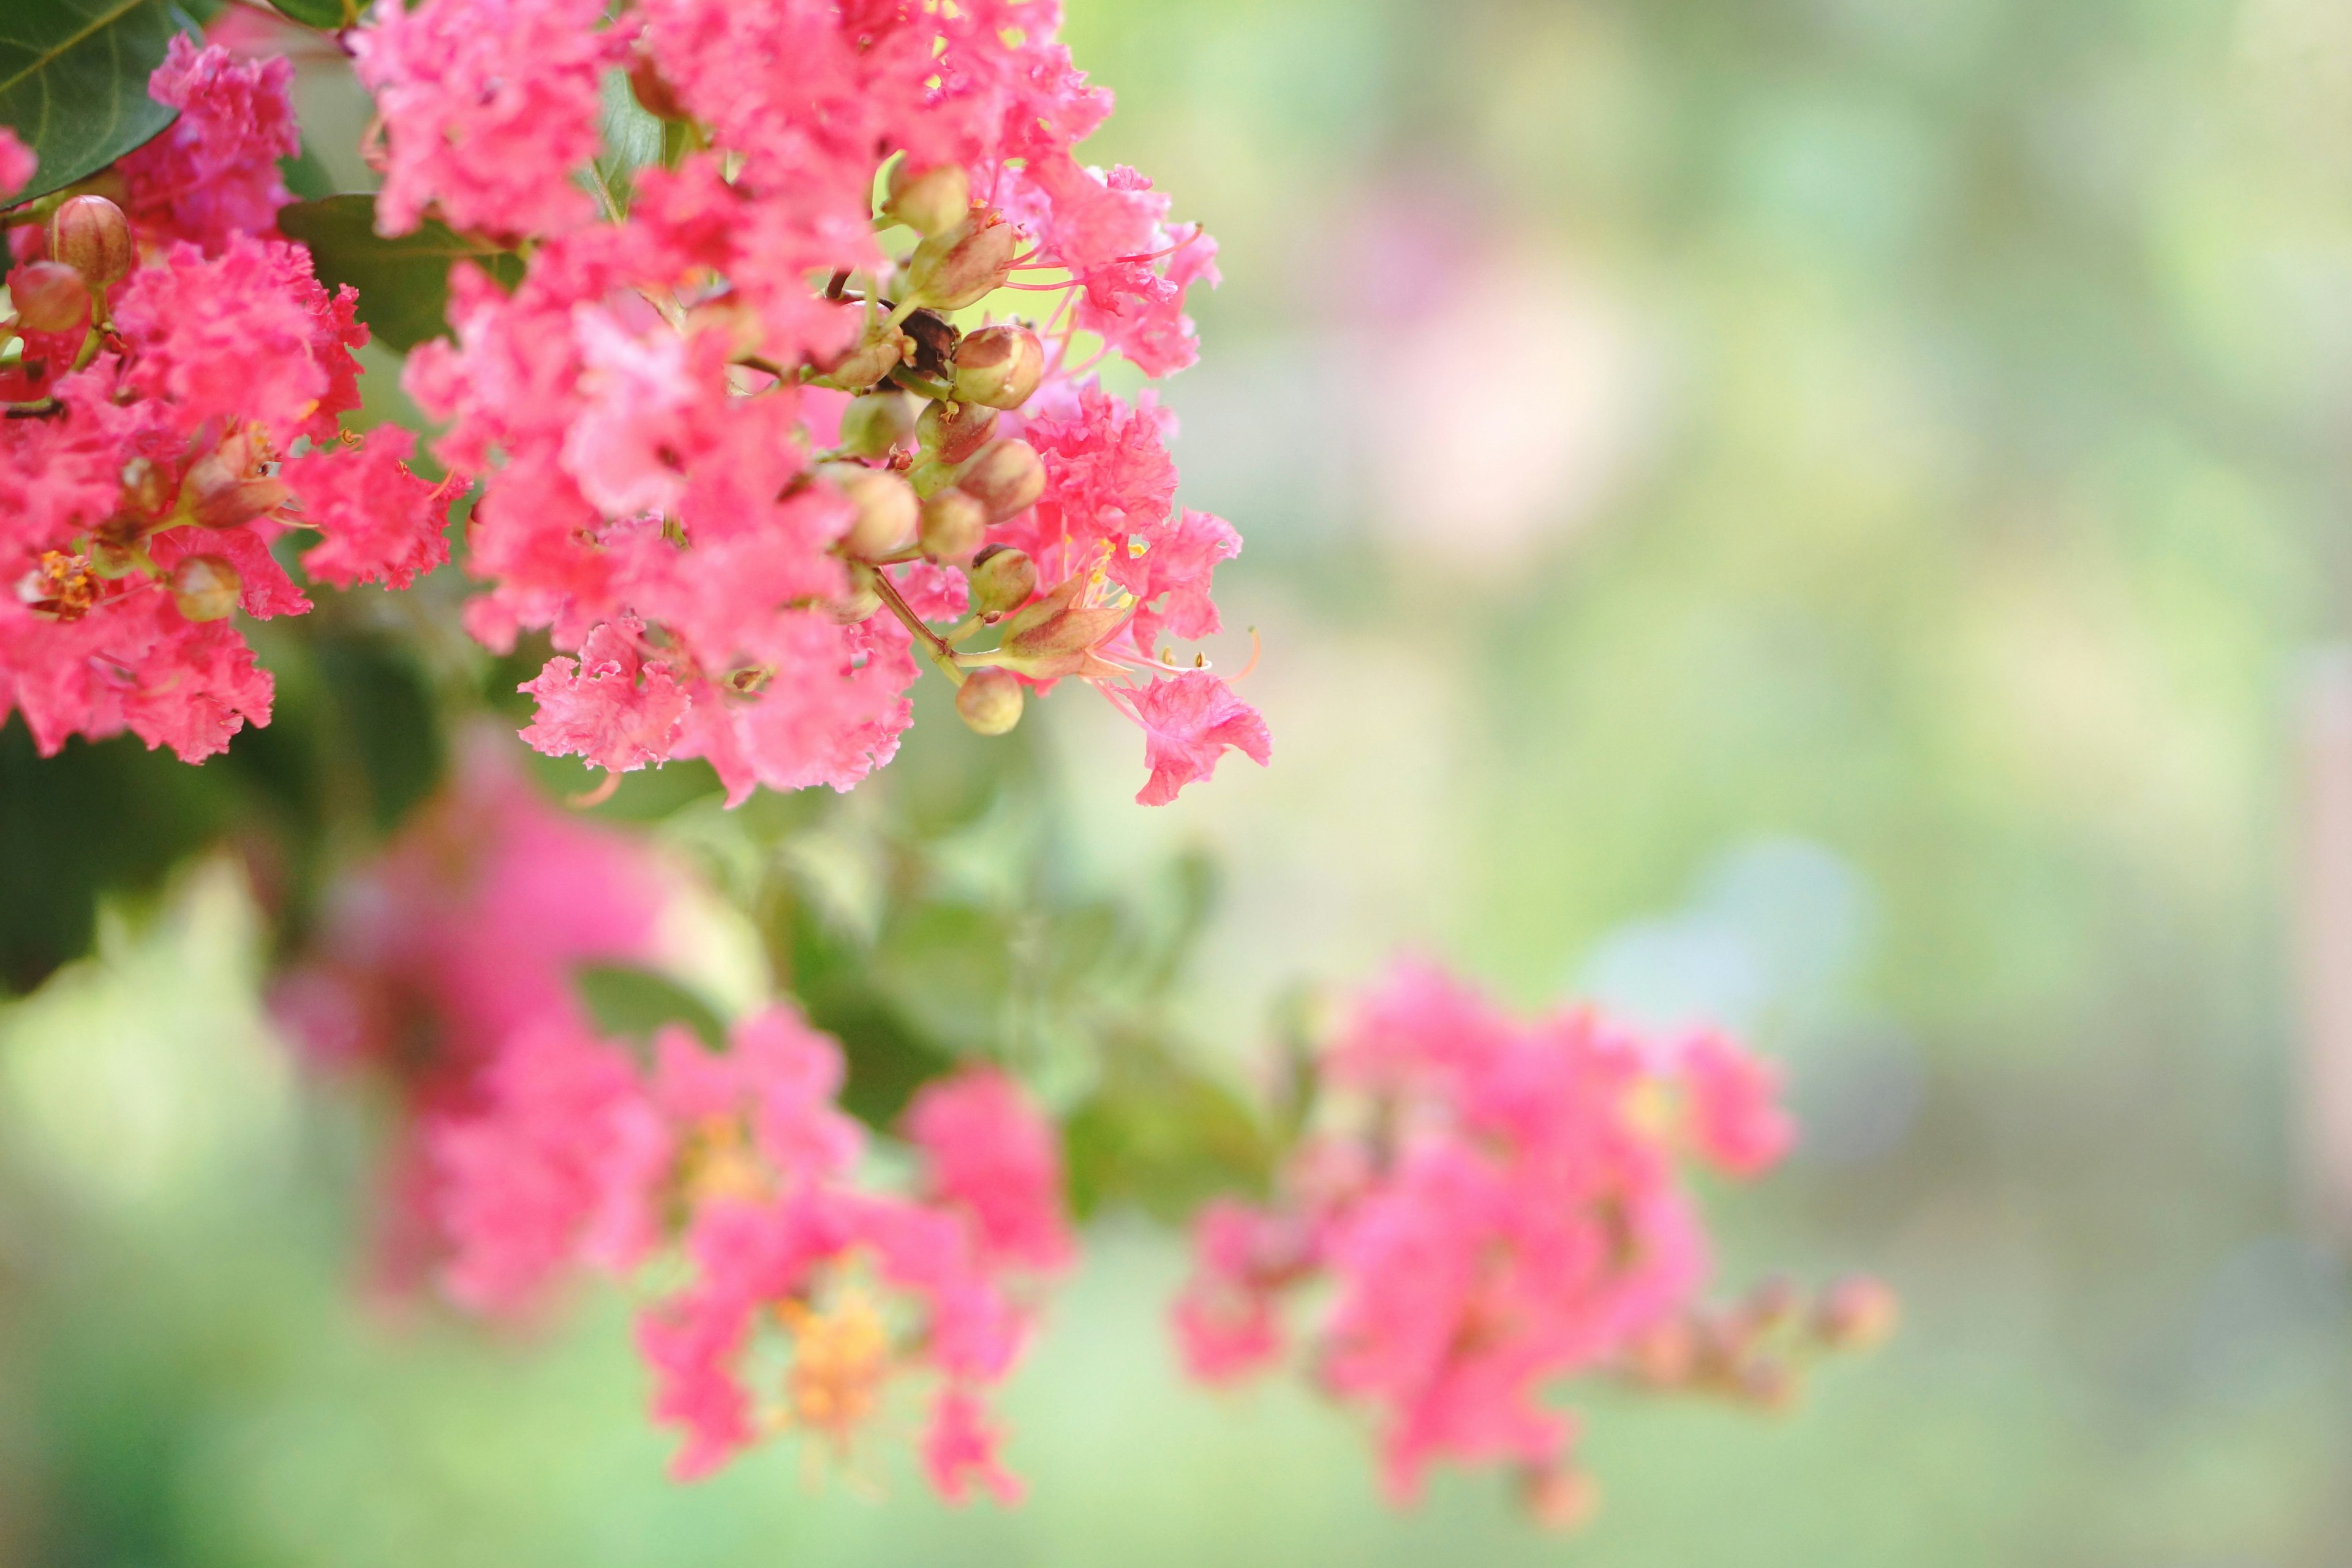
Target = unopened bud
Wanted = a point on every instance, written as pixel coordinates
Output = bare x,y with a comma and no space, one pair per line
1766,1383
954,526
654,95
862,600
1560,1499
1661,1356
206,587
50,297
999,366
219,494
1857,1313
962,265
873,358
887,511
872,424
1002,579
147,487
929,201
1005,477
989,700
950,432
1769,1304
91,234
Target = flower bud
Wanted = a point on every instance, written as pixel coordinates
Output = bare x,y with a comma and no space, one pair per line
1769,1304
1766,1383
989,700
1002,579
206,587
960,266
999,366
954,525
952,432
873,358
50,297
1005,477
1857,1313
91,234
929,201
862,600
1559,1497
218,493
872,424
887,511
147,487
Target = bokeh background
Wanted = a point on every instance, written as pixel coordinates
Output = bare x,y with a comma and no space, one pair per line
1827,514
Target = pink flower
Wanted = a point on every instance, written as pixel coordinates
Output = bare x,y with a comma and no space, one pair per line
608,706
1189,722
214,172
1732,1103
961,1448
987,1152
779,1078
17,163
377,521
490,107
1171,579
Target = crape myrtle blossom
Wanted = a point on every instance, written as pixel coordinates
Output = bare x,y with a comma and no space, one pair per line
174,408
1495,1205
751,455
530,1148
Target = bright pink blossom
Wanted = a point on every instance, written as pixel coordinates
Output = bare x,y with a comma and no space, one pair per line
213,173
1189,722
959,1448
988,1151
17,163
1732,1102
377,521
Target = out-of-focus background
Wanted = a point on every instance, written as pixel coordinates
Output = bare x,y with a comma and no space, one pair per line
1828,514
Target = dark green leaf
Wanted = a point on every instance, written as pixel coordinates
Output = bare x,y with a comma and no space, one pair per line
1160,1134
325,14
403,282
637,1002
73,81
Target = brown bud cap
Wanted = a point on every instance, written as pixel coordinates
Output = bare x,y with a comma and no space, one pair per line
929,201
989,700
1857,1313
654,95
50,297
872,424
952,432
1560,1499
954,526
887,511
999,366
91,234
1002,579
206,587
147,487
962,265
219,494
1005,477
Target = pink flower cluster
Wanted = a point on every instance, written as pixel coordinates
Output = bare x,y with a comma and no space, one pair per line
741,460
1496,1205
174,411
533,1147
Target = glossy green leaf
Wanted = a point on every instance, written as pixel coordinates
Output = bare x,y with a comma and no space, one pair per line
73,81
637,1002
402,281
325,14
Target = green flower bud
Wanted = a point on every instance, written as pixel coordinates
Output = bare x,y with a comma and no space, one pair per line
999,366
1002,579
950,432
1005,477
204,587
861,601
960,266
91,234
929,201
147,487
954,526
874,357
989,700
50,297
872,424
888,513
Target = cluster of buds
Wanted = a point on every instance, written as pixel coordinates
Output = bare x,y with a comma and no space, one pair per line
1755,1350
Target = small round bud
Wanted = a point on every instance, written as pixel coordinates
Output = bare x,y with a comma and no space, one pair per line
954,526
1766,1383
147,487
91,234
206,587
989,700
962,265
861,601
1769,1304
218,493
1560,1499
873,358
1005,477
1002,579
929,201
50,297
872,424
950,432
888,513
1857,1313
999,366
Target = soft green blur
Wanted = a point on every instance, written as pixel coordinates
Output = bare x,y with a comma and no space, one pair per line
1813,512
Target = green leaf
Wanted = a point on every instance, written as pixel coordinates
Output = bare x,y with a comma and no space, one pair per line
637,1002
327,16
73,81
403,281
